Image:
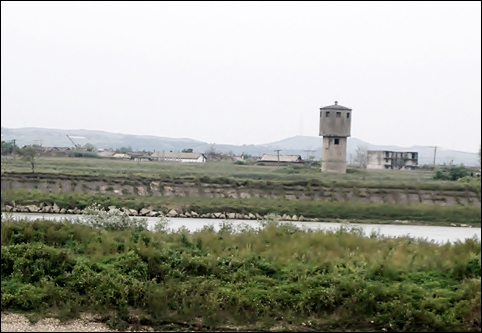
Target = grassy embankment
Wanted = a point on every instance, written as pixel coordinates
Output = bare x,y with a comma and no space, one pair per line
271,178
325,210
278,276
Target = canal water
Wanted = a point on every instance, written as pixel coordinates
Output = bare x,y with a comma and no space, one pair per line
430,233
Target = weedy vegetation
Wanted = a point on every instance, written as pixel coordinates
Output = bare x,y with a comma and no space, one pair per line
275,276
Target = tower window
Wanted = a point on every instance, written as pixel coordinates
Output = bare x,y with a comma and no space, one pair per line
348,115
338,114
337,141
327,114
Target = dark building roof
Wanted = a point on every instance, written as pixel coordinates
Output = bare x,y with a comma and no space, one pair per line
335,107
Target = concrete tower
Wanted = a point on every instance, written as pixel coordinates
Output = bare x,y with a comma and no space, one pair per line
335,127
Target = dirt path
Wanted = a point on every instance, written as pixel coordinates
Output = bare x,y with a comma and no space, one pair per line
12,322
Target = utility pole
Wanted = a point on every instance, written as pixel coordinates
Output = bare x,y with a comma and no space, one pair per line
278,150
308,151
434,155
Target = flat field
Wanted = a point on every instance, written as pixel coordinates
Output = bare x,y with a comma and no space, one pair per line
269,178
213,169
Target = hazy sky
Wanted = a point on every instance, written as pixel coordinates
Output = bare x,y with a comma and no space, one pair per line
245,72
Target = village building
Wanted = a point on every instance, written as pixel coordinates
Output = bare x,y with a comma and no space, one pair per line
178,157
140,156
121,156
48,150
56,151
38,148
106,153
393,160
266,158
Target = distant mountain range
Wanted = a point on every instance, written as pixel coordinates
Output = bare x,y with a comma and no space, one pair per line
297,145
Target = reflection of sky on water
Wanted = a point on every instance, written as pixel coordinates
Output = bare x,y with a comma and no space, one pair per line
431,233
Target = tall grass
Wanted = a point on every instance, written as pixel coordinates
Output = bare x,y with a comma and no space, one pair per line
277,275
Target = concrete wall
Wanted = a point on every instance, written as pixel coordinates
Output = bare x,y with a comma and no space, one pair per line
333,156
64,183
376,160
335,122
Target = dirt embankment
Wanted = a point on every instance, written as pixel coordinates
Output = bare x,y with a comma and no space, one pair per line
13,322
233,189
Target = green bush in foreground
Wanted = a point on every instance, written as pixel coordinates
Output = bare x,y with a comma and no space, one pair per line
274,275
453,172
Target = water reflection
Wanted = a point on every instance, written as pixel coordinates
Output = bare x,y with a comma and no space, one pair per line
431,233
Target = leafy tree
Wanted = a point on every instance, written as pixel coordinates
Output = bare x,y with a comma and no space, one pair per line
124,150
29,154
187,150
246,156
361,157
89,147
8,147
211,153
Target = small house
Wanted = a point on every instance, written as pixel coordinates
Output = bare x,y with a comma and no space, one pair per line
266,158
162,156
106,153
121,156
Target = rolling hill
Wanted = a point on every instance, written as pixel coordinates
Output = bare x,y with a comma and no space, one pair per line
297,145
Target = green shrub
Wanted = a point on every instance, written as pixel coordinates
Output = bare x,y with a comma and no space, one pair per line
453,172
273,275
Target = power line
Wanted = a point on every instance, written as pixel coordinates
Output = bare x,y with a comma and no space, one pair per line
446,149
309,151
460,152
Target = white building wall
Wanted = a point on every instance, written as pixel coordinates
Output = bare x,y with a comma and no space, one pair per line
375,160
333,155
200,159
